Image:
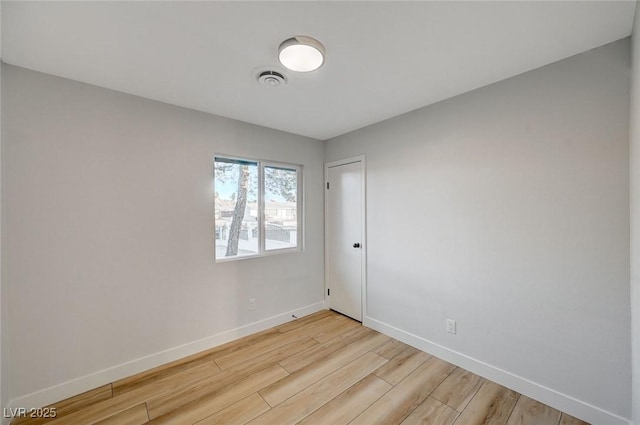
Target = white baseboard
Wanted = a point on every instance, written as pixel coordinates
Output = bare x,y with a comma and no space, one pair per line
585,411
85,383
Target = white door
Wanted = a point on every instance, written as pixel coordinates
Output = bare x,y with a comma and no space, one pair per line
344,237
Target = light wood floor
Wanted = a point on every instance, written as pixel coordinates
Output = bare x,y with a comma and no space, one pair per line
321,369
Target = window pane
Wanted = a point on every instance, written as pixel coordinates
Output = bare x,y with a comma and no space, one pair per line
280,207
236,208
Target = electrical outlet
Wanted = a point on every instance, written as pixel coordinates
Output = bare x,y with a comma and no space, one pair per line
252,304
451,326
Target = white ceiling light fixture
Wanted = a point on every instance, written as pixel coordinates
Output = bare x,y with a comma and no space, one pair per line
301,53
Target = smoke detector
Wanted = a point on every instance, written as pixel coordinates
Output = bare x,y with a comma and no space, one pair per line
271,79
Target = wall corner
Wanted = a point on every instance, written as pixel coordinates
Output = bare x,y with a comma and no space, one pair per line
634,167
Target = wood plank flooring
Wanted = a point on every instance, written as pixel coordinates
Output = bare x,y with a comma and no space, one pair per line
322,369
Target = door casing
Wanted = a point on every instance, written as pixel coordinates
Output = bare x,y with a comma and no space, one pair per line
363,242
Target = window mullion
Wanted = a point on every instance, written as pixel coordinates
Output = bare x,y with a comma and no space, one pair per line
262,232
300,208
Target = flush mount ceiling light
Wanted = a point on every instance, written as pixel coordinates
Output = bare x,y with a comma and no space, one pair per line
301,53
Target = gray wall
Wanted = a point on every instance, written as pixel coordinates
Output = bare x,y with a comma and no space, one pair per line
108,248
635,214
507,210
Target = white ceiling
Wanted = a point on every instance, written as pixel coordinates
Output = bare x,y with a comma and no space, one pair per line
383,58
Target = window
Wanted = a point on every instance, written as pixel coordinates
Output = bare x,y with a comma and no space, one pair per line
257,207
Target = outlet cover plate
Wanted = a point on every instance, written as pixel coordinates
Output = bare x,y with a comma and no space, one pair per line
451,326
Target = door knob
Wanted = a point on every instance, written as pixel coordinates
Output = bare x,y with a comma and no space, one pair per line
356,245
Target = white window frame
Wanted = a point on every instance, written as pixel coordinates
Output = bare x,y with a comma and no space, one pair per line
262,251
